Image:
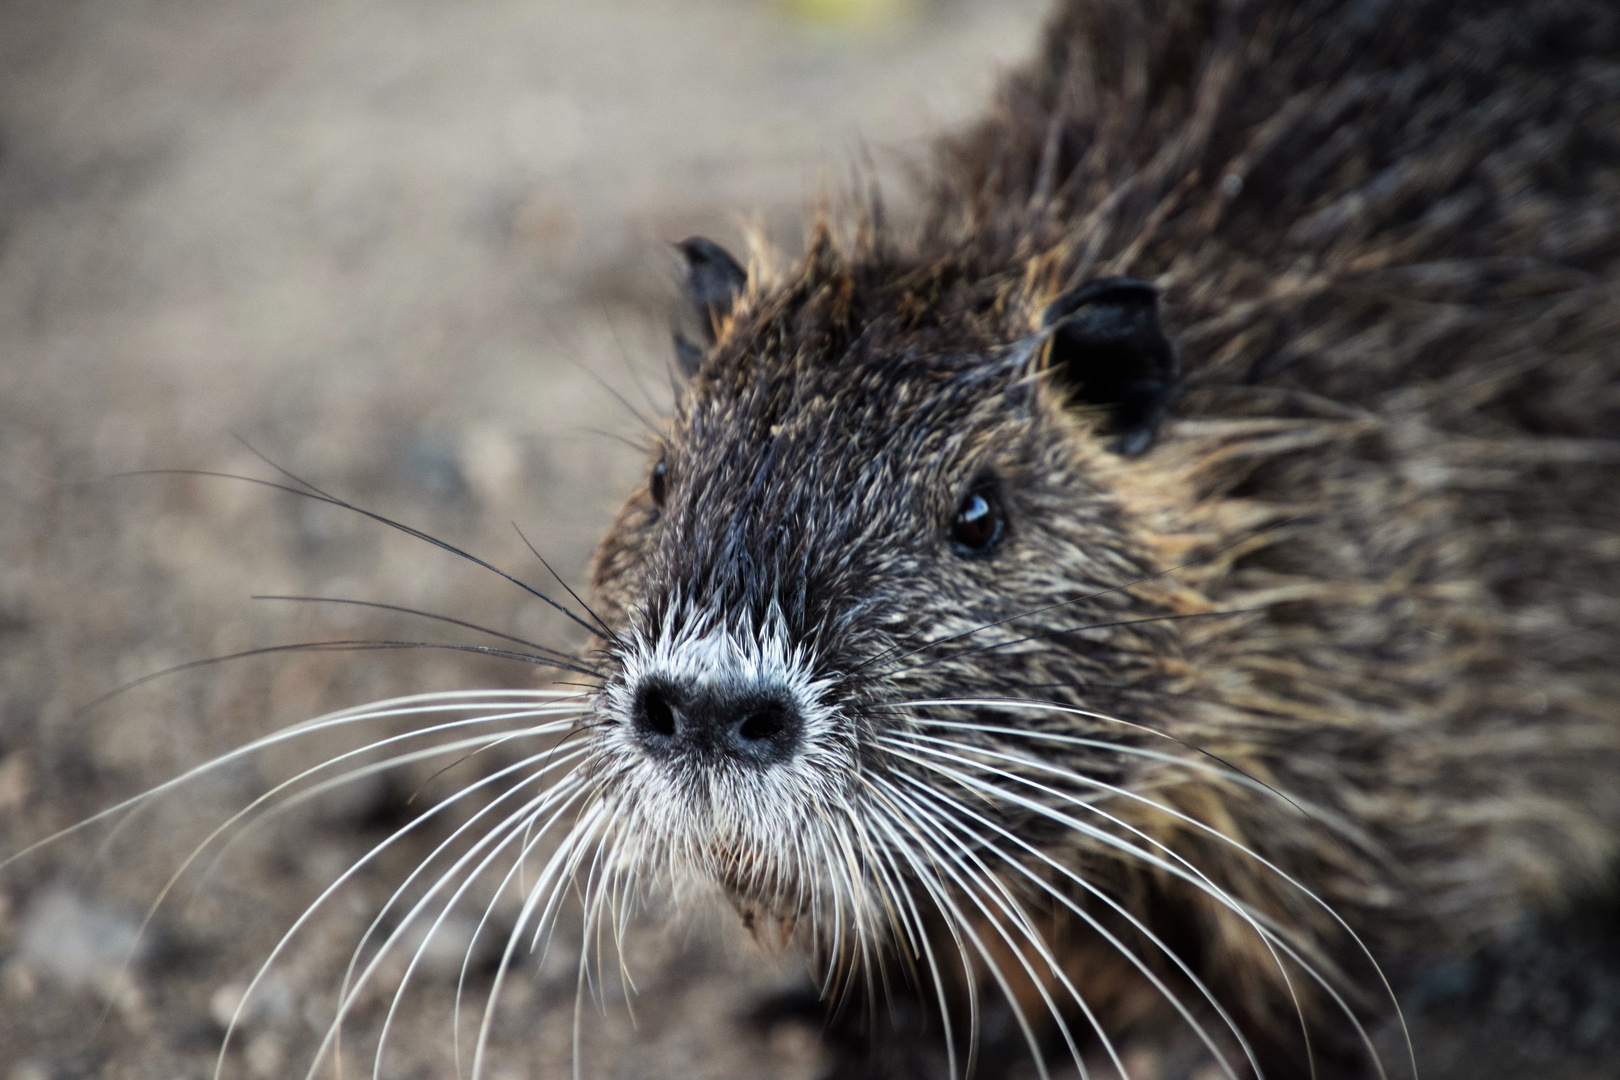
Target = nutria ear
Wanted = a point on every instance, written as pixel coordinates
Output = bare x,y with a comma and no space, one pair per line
1109,350
714,280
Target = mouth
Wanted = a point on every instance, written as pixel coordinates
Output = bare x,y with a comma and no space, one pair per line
768,906
771,930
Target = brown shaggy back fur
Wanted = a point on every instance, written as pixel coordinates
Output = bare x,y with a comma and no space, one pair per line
1387,236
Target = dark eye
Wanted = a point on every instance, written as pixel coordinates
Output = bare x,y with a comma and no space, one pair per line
659,483
978,522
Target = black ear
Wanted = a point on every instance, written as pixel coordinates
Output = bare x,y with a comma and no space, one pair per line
713,280
1109,350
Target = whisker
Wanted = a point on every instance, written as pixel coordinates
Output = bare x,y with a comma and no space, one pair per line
606,629
556,653
417,703
921,874
1015,912
956,807
547,761
495,841
919,941
1257,920
590,922
291,802
943,900
315,494
527,812
1227,771
1361,945
1197,878
530,840
341,645
567,859
332,888
621,399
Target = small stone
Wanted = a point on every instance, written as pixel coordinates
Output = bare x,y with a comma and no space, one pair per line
269,1002
794,1042
20,981
265,1056
77,941
16,781
222,1004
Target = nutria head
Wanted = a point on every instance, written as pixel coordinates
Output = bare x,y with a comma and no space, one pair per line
868,505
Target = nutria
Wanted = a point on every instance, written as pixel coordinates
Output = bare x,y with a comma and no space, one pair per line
1180,572
1166,590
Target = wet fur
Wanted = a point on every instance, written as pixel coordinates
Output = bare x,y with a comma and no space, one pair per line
1383,512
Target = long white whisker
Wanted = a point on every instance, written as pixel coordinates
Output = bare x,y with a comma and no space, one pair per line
234,819
917,934
1215,765
566,860
923,875
1182,868
531,838
1269,932
1238,776
495,839
1204,883
292,731
1004,899
325,895
473,743
536,806
942,898
958,807
416,703
591,902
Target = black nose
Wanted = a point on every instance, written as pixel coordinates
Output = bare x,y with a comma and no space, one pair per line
754,725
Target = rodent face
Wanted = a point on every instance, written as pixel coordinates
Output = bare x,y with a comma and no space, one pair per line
824,542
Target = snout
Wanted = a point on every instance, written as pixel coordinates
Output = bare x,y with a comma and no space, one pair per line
757,724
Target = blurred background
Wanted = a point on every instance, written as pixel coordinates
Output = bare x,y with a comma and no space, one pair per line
419,254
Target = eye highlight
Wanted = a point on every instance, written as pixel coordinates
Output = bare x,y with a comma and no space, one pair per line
979,521
658,483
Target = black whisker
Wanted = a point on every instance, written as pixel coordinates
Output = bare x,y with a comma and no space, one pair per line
629,365
622,400
593,687
360,645
310,491
606,629
556,653
299,480
640,448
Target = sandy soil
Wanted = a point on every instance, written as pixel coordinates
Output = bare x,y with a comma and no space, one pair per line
416,253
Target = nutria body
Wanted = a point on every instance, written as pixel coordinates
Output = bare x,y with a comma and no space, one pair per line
1183,567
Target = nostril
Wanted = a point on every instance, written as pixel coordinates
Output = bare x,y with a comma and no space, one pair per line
763,724
764,732
655,714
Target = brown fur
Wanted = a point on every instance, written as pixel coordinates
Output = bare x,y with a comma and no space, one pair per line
1387,239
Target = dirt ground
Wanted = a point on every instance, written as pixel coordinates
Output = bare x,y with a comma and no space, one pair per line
417,253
